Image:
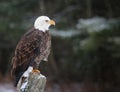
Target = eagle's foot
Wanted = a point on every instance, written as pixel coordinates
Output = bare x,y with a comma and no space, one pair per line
36,71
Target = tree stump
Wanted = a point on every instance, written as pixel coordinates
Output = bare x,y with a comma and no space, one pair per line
36,83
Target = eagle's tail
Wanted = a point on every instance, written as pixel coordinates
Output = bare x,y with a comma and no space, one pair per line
19,68
16,71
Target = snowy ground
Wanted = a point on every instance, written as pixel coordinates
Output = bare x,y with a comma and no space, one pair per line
63,87
50,87
7,87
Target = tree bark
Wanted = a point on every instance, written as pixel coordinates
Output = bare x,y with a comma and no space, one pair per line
36,83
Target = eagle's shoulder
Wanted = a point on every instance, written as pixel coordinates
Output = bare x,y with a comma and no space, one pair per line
32,32
29,40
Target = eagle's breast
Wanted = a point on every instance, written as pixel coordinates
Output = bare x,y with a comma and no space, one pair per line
44,47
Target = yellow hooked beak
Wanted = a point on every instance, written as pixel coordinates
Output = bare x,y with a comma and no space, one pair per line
52,22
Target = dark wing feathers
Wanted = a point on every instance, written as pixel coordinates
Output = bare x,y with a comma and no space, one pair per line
27,48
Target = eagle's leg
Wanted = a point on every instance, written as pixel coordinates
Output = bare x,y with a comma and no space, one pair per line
35,68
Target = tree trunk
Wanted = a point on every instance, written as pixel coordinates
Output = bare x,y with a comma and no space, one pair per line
36,83
88,8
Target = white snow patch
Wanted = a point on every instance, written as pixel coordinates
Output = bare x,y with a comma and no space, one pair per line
64,33
27,72
42,76
95,24
24,85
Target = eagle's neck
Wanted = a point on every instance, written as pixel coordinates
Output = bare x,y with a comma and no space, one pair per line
42,29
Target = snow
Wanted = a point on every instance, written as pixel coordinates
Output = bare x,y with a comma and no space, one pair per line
7,87
64,33
95,24
23,86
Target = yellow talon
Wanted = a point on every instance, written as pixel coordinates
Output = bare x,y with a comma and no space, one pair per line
36,71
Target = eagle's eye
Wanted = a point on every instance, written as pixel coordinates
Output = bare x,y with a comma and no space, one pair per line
46,20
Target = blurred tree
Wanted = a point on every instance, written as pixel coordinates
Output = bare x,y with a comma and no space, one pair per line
89,8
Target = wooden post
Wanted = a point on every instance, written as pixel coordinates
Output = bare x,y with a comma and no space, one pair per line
36,83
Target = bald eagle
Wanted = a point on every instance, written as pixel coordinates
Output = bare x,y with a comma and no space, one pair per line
33,47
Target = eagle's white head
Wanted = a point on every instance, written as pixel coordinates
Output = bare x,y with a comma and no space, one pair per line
43,23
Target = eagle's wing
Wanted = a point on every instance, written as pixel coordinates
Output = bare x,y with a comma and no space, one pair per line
26,50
